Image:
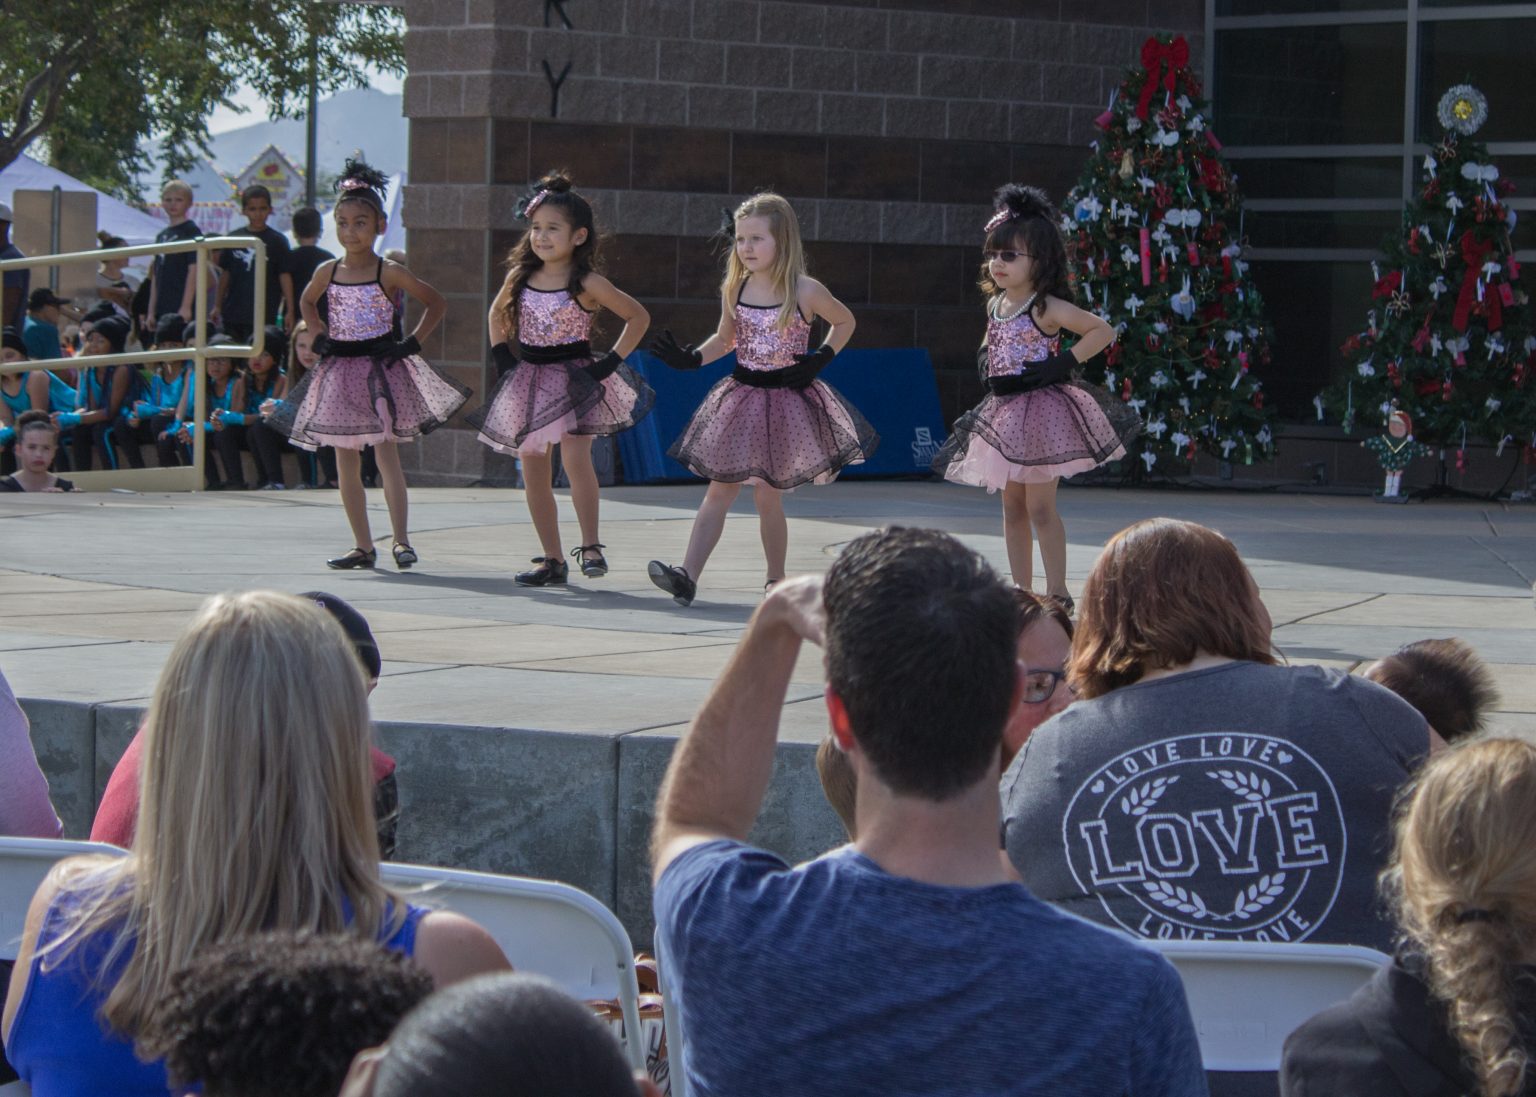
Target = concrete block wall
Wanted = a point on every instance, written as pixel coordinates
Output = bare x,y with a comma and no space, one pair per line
558,806
887,123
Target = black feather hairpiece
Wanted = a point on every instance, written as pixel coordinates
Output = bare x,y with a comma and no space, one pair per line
530,201
361,180
1013,200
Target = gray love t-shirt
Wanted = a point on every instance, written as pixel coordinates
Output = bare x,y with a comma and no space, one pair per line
1240,802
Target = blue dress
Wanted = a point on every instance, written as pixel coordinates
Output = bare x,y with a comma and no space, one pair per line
59,1046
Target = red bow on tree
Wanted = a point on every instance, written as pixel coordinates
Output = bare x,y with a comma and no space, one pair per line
1474,253
1162,60
1388,285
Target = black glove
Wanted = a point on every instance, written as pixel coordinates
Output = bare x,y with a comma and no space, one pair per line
321,345
981,360
506,361
604,367
406,348
673,354
1055,369
807,366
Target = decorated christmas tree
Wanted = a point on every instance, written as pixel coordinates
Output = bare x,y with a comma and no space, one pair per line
1448,336
1154,227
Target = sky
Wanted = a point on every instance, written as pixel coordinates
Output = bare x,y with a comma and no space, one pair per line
223,118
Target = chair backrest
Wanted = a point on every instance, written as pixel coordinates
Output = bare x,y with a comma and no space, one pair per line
23,864
548,928
1248,996
15,1089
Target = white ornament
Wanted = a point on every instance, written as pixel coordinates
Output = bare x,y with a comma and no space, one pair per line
1233,337
1157,427
1195,379
1145,182
1183,302
1317,402
1159,380
1089,208
1128,255
1479,173
1264,437
1133,303
1430,164
1435,346
1365,369
1438,286
1148,458
1188,219
1184,403
1227,446
1494,346
1493,404
1453,203
1180,439
1132,124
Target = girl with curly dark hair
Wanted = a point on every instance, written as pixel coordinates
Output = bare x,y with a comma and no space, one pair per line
1036,423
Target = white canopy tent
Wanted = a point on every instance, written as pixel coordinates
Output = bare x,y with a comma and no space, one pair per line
112,215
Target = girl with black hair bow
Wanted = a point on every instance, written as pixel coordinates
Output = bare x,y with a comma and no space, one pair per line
1037,423
553,387
369,388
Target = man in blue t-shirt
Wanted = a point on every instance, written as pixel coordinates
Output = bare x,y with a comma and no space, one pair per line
910,961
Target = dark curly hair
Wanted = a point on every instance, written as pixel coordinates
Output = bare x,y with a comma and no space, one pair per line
1024,220
281,1014
553,191
361,182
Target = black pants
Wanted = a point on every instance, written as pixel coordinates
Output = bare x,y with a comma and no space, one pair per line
128,439
91,441
267,447
8,458
226,444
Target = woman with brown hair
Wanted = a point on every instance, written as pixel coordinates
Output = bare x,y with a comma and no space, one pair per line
1456,1014
1199,788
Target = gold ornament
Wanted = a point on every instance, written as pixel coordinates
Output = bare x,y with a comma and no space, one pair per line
1462,109
1127,165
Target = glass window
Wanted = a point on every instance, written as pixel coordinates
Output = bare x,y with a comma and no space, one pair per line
1494,55
1308,7
1320,177
1311,85
1320,228
1314,308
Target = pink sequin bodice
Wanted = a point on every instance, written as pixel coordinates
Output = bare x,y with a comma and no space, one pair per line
360,311
1015,341
550,318
762,345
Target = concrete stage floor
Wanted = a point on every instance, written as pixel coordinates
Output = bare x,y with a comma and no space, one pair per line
94,587
532,726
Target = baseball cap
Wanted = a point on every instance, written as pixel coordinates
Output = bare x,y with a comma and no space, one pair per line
354,624
42,297
170,329
12,339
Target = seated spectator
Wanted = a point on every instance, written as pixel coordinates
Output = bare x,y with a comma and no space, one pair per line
1455,1014
19,392
226,390
243,426
1198,789
37,443
157,408
281,1014
1445,680
104,394
254,817
906,962
1045,641
118,811
498,1036
25,809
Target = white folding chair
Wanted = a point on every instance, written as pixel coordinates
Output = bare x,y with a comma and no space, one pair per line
544,927
672,1024
23,864
1248,996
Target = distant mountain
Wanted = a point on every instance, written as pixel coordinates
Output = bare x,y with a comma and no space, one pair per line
358,118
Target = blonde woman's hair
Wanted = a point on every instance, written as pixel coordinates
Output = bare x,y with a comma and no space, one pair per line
788,258
1463,882
255,809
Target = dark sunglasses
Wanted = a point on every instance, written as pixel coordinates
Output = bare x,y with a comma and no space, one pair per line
1005,256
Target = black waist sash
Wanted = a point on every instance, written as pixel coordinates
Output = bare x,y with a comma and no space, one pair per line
560,352
360,348
767,378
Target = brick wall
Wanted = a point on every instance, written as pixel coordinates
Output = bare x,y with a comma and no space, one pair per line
887,123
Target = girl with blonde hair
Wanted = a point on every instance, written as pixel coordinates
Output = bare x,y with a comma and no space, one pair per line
255,815
771,423
1456,1013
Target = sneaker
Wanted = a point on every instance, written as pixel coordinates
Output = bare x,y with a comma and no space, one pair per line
674,581
551,571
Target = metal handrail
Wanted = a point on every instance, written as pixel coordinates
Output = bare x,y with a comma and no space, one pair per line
198,352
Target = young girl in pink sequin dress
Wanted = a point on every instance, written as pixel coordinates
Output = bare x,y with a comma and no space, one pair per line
1036,424
553,388
771,423
368,387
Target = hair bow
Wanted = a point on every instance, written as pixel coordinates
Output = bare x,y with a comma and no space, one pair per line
531,201
1183,218
1482,173
726,230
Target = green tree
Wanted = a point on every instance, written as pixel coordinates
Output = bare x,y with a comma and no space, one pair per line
1153,230
1448,335
91,79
